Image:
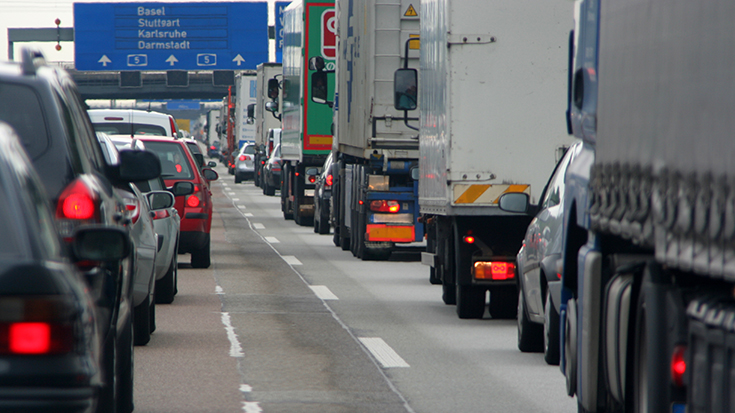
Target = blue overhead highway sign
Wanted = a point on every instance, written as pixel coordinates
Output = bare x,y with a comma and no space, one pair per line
170,36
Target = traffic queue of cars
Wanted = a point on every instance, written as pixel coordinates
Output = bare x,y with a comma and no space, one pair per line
92,230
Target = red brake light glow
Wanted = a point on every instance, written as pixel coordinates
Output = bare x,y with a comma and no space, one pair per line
494,270
160,214
29,338
329,180
469,239
678,365
385,206
37,326
312,179
77,201
193,201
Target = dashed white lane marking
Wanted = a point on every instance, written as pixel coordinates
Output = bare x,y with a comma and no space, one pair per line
382,352
248,214
235,347
251,407
258,225
219,290
242,207
272,240
246,388
323,292
235,199
290,259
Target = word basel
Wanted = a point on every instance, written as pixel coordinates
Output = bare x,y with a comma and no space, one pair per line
160,34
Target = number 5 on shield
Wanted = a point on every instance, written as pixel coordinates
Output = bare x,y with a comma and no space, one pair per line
137,60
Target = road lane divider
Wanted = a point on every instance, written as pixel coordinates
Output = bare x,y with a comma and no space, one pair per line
272,240
323,292
291,260
386,356
235,347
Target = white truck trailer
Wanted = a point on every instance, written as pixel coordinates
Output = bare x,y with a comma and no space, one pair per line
492,87
265,120
245,86
374,195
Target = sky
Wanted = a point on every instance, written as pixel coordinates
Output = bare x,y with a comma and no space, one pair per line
43,14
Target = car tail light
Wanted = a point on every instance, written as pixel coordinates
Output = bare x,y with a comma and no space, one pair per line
385,206
244,158
36,325
173,126
312,179
678,365
494,270
193,200
329,181
161,214
132,209
77,204
212,148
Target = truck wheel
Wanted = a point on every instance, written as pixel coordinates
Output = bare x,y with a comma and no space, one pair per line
529,333
504,304
470,301
336,239
551,332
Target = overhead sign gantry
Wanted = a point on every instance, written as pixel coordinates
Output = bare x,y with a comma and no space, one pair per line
170,36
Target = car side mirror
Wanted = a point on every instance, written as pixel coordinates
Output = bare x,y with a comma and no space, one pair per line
210,174
100,243
514,202
160,200
273,88
182,188
136,165
211,164
319,87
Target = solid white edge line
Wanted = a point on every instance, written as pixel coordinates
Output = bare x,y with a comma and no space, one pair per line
323,292
387,357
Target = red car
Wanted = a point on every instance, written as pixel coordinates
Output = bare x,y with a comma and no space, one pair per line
195,209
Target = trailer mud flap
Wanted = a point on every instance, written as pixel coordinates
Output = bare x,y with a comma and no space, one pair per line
391,233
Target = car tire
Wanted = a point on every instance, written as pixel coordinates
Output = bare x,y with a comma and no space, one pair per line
269,189
152,315
529,333
551,332
142,322
238,178
200,258
108,391
166,286
125,369
323,226
470,301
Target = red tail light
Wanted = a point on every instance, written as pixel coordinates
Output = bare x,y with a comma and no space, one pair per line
329,180
132,209
494,270
244,158
312,179
77,201
385,206
193,201
212,148
160,214
36,326
678,365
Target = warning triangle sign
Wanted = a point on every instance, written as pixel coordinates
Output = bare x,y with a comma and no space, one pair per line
411,12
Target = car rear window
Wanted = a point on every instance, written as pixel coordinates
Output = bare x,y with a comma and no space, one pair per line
129,129
20,107
249,149
174,162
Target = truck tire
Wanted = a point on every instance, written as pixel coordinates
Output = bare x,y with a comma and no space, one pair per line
504,303
551,332
470,301
530,338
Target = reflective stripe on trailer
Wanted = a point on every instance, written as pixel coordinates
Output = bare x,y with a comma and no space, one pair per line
392,233
484,193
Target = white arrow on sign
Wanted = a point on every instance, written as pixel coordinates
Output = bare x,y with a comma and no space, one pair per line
172,59
238,59
104,60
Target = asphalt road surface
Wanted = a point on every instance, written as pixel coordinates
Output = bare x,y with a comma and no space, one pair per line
284,321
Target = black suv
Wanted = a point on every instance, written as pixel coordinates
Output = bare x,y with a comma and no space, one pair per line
43,105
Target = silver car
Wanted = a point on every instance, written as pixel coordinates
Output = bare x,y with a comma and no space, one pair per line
539,274
245,163
166,223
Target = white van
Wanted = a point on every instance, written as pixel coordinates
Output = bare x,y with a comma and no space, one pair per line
132,122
